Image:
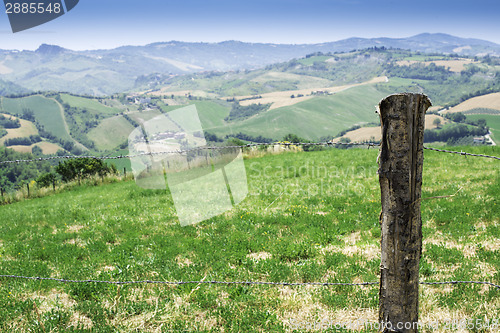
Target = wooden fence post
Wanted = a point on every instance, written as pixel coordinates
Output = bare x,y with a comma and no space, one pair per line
2,191
28,187
400,174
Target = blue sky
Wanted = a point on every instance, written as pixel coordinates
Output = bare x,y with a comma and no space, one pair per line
94,24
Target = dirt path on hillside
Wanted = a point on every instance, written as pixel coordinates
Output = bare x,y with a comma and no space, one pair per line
488,137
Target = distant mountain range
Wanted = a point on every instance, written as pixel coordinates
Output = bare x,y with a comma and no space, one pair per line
101,72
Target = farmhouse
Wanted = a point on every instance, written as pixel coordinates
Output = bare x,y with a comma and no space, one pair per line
143,100
479,139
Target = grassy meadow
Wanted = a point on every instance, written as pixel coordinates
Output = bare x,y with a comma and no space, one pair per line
91,105
111,132
308,217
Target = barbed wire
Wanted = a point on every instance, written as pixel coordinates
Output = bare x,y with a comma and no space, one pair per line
286,144
462,282
184,151
461,153
325,284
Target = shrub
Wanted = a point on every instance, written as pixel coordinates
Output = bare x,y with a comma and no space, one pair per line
9,123
46,180
83,168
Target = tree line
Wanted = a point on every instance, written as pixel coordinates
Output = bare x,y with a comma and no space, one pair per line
420,71
45,173
15,174
240,112
23,141
9,122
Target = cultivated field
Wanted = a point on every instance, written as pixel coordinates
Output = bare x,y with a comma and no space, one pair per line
309,217
430,118
362,134
27,128
47,148
490,101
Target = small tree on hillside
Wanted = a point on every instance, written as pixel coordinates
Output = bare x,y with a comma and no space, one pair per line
83,168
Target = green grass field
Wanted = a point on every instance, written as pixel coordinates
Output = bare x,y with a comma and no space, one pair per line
212,114
91,105
493,122
111,132
308,217
46,111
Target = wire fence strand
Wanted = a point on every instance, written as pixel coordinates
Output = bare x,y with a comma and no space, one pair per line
461,153
286,144
325,284
184,151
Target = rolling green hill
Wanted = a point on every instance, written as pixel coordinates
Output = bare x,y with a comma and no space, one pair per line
317,117
46,111
306,96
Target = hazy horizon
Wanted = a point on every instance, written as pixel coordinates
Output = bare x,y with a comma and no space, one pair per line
94,24
223,41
